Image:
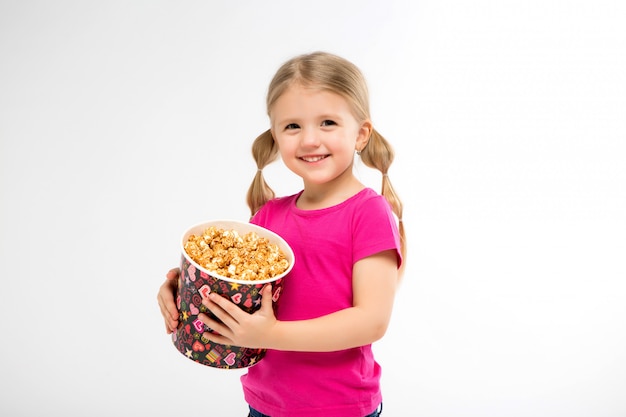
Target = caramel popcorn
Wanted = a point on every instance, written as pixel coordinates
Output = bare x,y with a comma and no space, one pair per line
227,253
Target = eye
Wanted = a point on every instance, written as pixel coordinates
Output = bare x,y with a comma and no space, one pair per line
291,126
328,123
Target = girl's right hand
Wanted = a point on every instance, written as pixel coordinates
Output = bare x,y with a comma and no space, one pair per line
165,297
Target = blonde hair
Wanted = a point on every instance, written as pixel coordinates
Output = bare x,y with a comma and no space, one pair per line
335,74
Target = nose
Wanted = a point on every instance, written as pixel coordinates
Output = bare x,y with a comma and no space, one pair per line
310,138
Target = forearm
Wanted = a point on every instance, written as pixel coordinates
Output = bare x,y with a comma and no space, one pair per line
343,329
374,286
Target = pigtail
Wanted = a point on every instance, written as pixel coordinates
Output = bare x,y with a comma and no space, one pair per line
379,154
264,152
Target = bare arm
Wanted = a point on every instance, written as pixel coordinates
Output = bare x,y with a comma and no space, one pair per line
374,285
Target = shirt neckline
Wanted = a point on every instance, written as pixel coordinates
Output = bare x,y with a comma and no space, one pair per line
328,209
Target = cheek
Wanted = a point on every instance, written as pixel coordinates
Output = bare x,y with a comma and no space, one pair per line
284,142
286,149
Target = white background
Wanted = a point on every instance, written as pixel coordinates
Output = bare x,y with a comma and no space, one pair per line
124,122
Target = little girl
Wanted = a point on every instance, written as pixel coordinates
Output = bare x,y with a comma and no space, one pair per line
348,242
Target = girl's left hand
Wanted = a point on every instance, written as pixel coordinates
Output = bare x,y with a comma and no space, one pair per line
239,328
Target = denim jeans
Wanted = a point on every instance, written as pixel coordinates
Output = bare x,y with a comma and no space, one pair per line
376,413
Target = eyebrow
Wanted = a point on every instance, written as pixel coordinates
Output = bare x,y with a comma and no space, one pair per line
331,116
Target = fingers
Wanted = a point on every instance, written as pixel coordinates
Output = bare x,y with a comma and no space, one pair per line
266,297
234,326
165,298
223,326
218,338
218,328
172,275
223,309
168,311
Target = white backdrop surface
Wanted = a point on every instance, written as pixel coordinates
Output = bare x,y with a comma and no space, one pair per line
124,122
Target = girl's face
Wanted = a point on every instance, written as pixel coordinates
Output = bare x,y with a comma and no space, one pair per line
317,134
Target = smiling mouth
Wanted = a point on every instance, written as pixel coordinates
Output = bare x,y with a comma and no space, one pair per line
313,158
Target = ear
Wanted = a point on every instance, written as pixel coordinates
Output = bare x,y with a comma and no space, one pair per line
273,136
365,131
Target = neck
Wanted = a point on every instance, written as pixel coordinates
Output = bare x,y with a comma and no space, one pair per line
318,196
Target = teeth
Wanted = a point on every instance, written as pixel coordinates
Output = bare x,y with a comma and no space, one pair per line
313,159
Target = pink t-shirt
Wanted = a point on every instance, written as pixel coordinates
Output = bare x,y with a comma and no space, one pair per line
326,244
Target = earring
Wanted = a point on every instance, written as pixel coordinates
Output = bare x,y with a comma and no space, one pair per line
358,152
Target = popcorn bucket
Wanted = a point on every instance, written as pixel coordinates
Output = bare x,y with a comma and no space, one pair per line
196,281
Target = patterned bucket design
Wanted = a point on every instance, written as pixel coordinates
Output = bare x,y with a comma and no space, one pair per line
194,282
